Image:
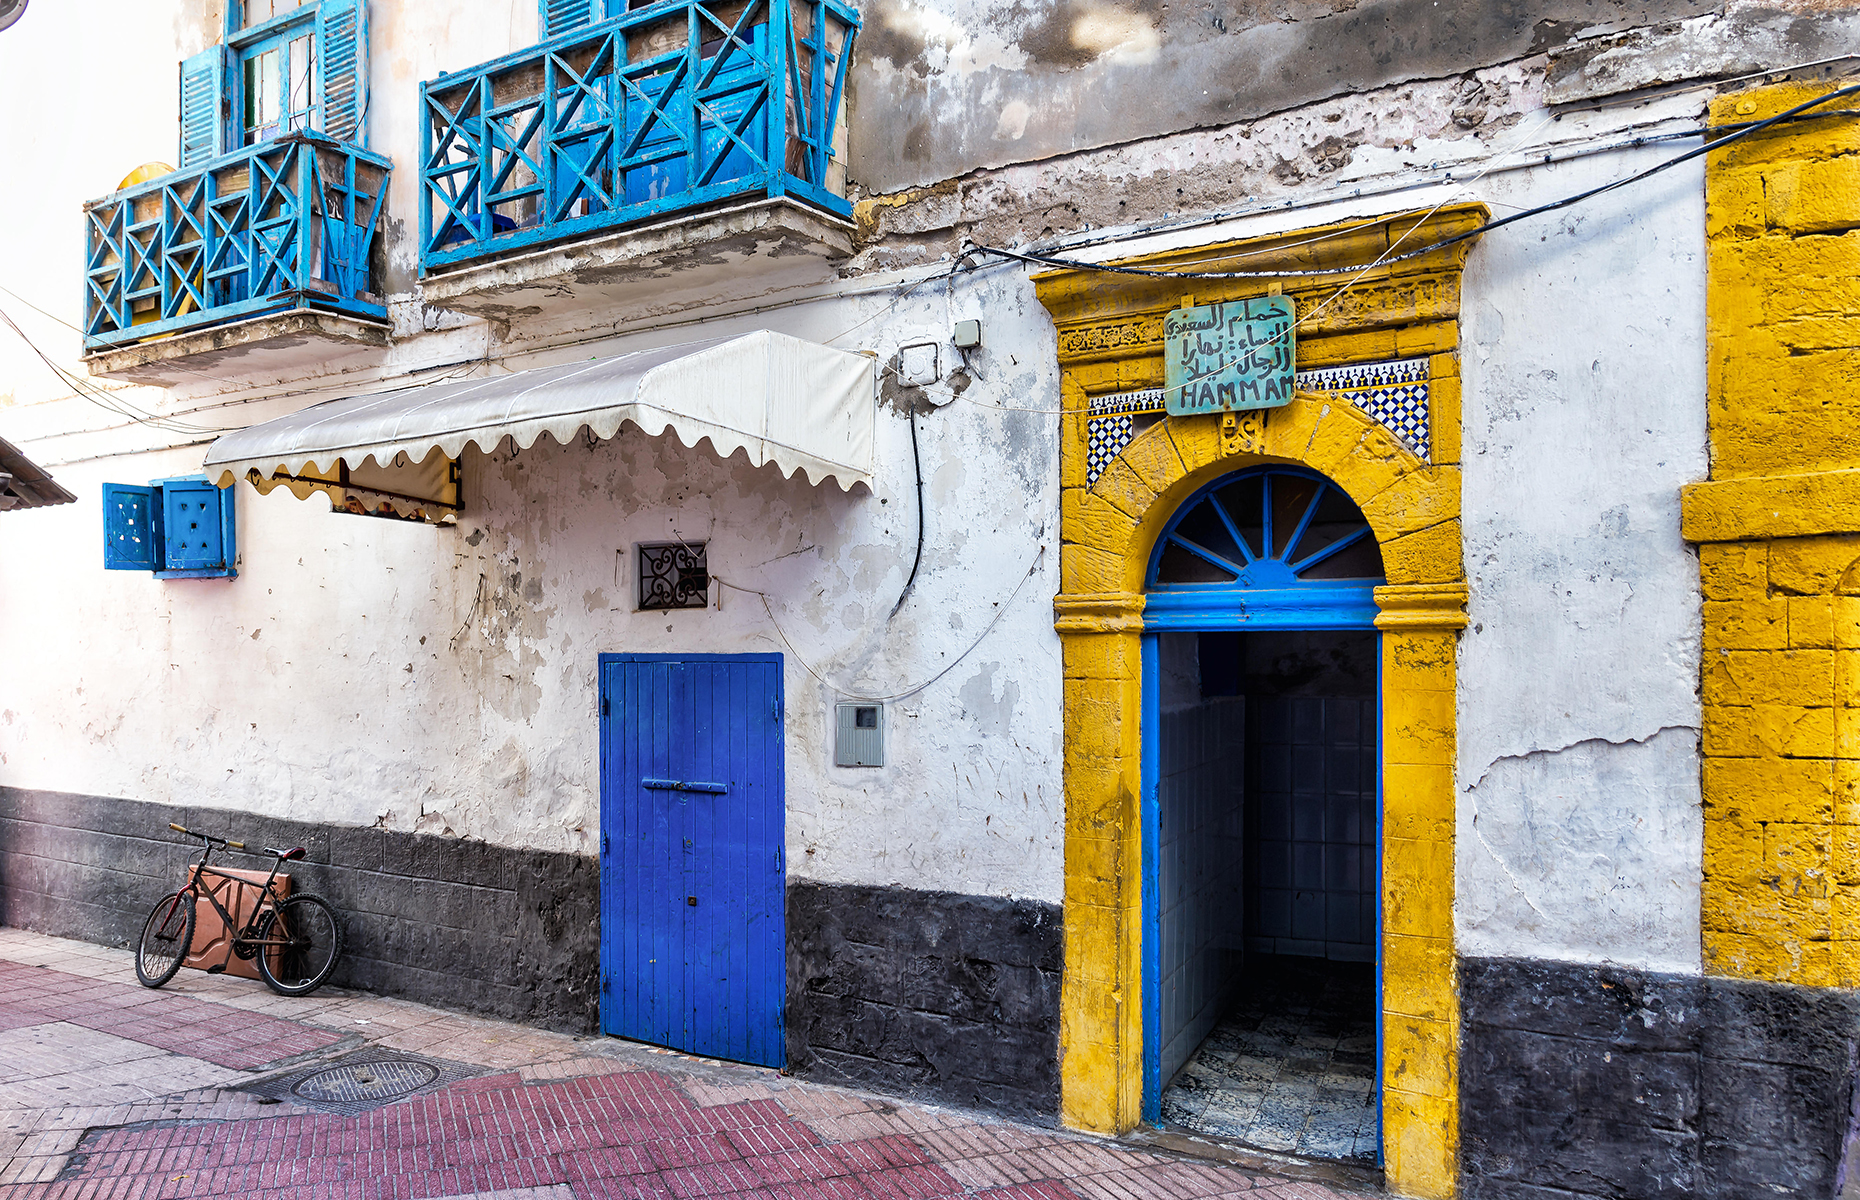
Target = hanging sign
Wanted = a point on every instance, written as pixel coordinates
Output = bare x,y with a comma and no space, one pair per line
1236,355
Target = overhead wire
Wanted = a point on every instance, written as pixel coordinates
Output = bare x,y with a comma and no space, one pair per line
1001,610
1738,133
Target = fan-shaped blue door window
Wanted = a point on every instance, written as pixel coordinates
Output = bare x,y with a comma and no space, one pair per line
1267,548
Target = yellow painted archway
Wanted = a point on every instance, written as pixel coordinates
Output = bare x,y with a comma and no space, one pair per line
1110,342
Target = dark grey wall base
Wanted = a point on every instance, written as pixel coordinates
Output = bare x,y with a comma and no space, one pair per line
507,933
926,994
1581,1081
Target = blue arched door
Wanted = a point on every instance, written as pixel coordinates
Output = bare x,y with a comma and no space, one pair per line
1282,552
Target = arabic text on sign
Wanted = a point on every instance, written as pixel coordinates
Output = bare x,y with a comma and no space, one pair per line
1220,357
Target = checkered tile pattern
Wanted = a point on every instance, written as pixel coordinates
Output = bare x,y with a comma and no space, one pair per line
1108,437
1393,392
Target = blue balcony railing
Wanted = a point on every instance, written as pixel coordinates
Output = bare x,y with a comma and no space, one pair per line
288,223
670,107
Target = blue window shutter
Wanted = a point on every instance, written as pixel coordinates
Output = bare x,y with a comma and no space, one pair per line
194,532
565,16
342,54
204,115
132,539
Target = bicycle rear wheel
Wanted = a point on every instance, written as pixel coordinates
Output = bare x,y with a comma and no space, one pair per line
313,942
167,936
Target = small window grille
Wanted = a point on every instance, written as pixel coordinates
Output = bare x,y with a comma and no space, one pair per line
673,575
860,741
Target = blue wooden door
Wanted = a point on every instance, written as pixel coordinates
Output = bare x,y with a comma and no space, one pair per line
693,928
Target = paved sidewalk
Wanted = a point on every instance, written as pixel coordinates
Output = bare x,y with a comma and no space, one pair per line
110,1090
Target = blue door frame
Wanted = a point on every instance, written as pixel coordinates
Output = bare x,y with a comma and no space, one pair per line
693,874
1284,603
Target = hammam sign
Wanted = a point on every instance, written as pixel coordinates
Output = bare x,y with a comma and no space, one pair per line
1236,355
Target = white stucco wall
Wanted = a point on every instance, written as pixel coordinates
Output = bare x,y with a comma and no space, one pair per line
1582,346
356,672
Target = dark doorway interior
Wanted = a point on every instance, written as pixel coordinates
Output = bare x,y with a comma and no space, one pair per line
1266,876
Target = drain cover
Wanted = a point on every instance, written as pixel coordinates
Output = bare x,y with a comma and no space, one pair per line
360,1081
350,1083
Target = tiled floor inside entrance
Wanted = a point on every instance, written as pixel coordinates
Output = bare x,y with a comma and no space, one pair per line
1291,1067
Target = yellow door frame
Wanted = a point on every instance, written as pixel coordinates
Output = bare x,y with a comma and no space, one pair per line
1110,341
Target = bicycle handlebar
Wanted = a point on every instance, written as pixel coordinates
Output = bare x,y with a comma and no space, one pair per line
206,837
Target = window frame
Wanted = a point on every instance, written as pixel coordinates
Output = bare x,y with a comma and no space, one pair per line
277,33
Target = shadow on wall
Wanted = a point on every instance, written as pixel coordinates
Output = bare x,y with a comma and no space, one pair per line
466,925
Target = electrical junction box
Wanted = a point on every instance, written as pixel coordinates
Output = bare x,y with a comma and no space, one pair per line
917,364
859,740
968,335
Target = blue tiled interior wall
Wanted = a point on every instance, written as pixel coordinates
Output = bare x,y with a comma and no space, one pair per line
1200,863
1311,828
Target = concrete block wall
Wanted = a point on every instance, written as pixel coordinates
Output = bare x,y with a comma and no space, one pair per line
1596,1081
938,996
462,924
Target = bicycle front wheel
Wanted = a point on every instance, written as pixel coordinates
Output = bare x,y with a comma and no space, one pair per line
167,936
309,941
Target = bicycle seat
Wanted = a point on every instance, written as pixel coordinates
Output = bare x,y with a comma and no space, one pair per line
291,855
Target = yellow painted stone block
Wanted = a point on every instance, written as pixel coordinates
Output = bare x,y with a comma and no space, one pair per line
1734,203
1846,771
1740,677
1734,570
1417,727
1733,857
1122,488
1417,800
1197,443
1769,789
1094,938
1417,977
1815,197
1420,340
1846,677
1417,1055
1747,624
1845,873
1418,661
1088,519
1418,500
1800,852
1103,656
1420,1144
1429,555
1330,447
1730,732
1811,622
1762,103
1095,868
1417,887
1761,730
1811,566
1152,455
1443,402
1087,569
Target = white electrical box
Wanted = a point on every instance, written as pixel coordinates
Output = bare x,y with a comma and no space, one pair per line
859,740
917,365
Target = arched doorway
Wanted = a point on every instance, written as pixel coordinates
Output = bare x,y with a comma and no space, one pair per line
1261,818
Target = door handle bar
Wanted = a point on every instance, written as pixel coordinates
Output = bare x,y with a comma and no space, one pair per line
684,785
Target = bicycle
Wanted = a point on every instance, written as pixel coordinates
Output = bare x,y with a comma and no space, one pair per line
296,940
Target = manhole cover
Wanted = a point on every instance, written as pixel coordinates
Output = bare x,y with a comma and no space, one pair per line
383,1079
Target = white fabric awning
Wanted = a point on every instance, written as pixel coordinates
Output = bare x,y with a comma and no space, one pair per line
802,406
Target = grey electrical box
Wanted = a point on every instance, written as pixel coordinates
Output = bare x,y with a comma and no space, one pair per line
860,740
968,335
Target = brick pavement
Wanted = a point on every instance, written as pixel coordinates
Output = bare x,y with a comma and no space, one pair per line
109,1091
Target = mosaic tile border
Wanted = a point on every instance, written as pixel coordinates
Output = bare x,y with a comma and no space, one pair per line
1394,392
